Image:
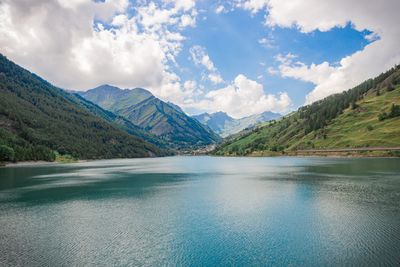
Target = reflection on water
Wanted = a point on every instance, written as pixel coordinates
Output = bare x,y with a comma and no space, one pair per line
202,211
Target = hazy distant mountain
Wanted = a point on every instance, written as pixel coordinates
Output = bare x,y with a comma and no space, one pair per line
224,125
218,121
166,121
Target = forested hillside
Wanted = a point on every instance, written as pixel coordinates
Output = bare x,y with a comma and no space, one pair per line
38,120
367,115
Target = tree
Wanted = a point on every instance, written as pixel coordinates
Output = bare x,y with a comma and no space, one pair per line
394,111
382,116
6,153
390,87
354,105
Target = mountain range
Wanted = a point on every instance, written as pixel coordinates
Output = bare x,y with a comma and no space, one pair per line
367,115
39,121
224,125
165,120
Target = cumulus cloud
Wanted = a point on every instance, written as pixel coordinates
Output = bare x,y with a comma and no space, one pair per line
187,20
272,71
190,85
316,74
201,58
154,17
267,42
380,17
81,44
253,5
215,78
243,97
220,9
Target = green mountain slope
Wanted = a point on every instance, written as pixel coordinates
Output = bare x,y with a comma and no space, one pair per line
352,119
37,119
121,122
143,109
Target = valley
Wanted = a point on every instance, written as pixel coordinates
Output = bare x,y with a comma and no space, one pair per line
42,122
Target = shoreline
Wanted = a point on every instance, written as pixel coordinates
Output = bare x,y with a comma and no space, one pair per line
361,152
353,154
254,155
26,163
35,163
304,156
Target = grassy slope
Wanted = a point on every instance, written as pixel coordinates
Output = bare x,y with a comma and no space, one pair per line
349,129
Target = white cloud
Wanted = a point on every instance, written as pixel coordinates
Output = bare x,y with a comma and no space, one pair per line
220,9
285,59
253,5
266,42
272,71
187,20
182,4
380,17
200,57
190,85
58,41
316,74
215,78
242,98
372,37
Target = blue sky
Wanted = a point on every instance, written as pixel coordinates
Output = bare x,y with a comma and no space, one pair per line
249,57
232,42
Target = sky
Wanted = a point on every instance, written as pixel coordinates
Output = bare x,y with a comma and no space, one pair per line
242,57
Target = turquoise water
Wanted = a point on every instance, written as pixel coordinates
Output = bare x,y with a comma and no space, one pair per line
202,211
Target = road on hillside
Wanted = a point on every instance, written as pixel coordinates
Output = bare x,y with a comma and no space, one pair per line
378,148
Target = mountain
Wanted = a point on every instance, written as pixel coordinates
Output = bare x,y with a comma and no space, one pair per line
217,121
224,125
366,116
166,121
178,108
121,122
38,119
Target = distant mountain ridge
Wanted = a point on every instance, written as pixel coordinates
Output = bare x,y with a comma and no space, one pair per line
167,121
224,125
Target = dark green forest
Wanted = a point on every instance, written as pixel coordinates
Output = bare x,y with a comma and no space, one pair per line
320,113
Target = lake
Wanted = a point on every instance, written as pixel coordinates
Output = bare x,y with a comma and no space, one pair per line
202,211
